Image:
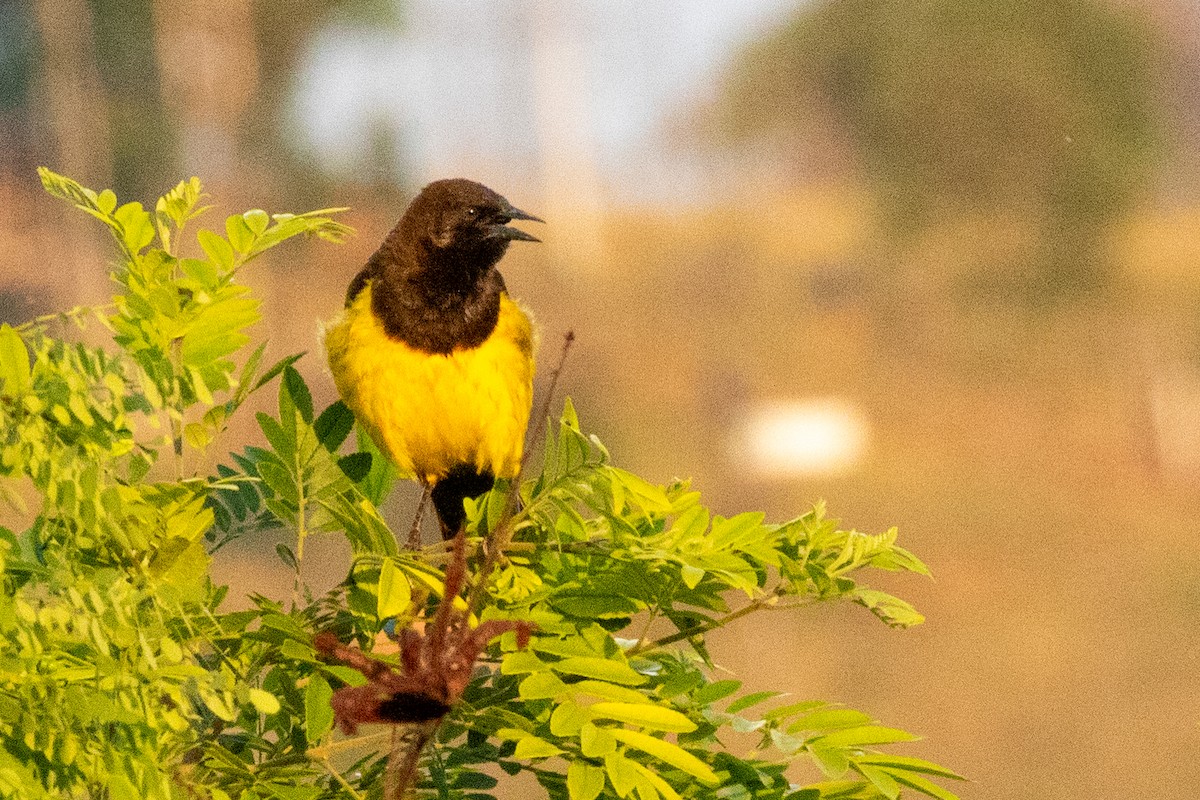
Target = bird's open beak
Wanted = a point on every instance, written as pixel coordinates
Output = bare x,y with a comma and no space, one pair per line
516,234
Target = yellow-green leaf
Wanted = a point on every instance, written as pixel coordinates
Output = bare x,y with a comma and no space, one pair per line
530,746
541,686
318,712
265,702
621,773
600,668
395,592
14,363
568,718
648,716
608,691
584,781
656,780
520,662
865,734
595,741
672,754
257,220
218,705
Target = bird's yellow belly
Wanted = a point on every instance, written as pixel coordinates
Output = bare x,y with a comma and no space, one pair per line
430,413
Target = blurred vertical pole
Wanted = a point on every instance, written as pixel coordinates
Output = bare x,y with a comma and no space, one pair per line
571,182
76,107
208,60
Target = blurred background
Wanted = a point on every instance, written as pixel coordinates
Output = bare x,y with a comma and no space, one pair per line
934,261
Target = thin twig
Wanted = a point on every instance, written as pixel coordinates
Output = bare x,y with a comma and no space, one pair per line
414,533
497,539
326,750
62,316
337,776
405,758
767,602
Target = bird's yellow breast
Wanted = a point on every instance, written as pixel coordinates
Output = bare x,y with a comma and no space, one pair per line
432,412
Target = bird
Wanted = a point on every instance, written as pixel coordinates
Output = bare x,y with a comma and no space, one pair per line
432,355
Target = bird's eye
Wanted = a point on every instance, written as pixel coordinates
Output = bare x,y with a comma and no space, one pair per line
472,212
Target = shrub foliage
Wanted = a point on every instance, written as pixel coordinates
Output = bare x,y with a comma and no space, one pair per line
124,676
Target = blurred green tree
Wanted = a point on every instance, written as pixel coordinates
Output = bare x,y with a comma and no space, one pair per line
1043,110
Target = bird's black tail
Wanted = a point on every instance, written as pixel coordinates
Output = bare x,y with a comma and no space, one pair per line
449,492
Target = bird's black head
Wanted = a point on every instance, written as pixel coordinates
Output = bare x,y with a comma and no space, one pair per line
466,220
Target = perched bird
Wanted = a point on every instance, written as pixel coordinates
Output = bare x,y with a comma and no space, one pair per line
432,355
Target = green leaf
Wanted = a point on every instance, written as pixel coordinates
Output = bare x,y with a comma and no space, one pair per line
279,480
595,741
584,781
691,575
661,786
318,712
923,785
257,220
600,668
357,466
609,691
672,754
265,702
334,425
202,272
14,363
377,484
197,435
828,719
474,780
892,610
594,605
652,717
880,779
796,708
106,201
621,773
752,699
832,761
239,233
395,592
277,368
218,705
521,662
531,746
217,248
648,496
287,556
297,391
568,718
718,690
909,763
541,686
136,226
290,792
865,734
728,533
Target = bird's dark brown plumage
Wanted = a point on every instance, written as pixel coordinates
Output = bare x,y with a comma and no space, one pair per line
434,280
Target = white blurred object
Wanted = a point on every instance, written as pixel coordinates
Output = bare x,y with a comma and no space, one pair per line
817,436
1174,396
